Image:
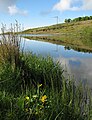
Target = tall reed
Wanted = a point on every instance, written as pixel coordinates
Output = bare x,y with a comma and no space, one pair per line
33,87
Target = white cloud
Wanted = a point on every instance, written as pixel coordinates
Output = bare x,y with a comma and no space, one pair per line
73,5
87,5
4,4
63,5
10,7
14,10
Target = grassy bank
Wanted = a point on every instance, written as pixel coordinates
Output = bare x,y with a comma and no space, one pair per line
76,35
38,90
34,88
83,45
63,28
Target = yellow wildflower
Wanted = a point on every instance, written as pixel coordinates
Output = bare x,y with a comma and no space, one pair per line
27,98
43,99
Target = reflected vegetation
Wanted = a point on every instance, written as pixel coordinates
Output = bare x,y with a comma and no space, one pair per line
78,64
77,44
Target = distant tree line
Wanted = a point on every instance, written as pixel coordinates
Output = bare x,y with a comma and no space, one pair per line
78,19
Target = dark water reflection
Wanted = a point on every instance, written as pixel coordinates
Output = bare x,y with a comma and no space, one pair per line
78,64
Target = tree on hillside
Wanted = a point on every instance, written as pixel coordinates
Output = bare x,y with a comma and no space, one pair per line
90,17
86,18
78,19
67,20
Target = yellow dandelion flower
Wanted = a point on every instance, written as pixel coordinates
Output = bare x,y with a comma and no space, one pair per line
27,98
43,98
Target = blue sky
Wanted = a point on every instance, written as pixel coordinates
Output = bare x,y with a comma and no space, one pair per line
35,13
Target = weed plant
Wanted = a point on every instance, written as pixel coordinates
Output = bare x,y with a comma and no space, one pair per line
34,88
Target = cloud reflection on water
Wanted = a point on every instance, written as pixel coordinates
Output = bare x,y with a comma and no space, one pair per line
77,64
80,68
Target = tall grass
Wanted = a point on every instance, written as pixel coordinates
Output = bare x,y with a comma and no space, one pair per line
34,88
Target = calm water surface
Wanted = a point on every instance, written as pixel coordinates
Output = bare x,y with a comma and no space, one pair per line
78,64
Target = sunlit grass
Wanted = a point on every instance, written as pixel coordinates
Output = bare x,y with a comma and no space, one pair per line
77,35
34,88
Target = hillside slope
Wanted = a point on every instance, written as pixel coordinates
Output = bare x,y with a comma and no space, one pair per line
73,27
76,35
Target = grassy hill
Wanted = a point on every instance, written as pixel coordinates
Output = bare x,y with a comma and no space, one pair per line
75,35
72,27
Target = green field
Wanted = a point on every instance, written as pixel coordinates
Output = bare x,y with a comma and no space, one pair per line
76,35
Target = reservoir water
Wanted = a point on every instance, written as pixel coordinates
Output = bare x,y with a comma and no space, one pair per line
77,64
